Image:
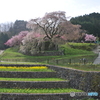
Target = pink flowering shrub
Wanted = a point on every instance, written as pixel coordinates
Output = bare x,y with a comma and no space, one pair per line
16,40
90,38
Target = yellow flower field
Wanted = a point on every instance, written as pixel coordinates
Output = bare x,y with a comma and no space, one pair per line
24,68
14,67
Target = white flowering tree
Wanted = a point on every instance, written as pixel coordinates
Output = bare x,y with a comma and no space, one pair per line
46,33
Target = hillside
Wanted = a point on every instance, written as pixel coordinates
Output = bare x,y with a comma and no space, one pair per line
71,51
90,23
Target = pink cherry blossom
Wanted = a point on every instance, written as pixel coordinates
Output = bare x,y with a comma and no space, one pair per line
90,37
16,40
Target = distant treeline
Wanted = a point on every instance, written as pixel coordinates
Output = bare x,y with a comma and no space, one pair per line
90,23
7,30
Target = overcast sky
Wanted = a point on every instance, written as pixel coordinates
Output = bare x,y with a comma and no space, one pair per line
11,10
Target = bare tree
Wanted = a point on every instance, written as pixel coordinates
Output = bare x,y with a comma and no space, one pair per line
4,27
55,23
51,24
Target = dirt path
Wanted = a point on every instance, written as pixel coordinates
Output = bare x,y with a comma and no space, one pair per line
1,51
97,60
97,50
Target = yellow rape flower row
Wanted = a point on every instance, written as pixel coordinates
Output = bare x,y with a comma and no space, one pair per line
15,67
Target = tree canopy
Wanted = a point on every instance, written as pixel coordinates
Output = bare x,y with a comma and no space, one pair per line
46,33
90,23
54,23
3,39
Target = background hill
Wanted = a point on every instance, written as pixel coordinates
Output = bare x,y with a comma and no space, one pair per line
90,23
7,30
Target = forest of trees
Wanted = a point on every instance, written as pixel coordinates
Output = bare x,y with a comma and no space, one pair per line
46,33
7,30
90,23
3,38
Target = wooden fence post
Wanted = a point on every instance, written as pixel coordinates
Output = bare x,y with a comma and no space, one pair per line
70,61
84,61
57,62
47,60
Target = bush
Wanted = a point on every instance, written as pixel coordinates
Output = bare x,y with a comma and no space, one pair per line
83,46
70,49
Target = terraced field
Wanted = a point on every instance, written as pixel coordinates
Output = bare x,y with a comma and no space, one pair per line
34,85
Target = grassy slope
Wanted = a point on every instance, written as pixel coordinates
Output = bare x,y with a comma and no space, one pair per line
69,51
12,53
31,79
64,90
87,67
77,48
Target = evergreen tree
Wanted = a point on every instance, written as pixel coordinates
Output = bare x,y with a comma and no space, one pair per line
90,23
3,39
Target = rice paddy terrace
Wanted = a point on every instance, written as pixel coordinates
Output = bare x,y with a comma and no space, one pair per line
37,82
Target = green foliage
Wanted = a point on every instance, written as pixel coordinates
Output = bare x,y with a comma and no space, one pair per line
83,46
75,55
31,79
13,49
56,90
86,67
75,48
18,26
11,54
3,39
90,23
27,70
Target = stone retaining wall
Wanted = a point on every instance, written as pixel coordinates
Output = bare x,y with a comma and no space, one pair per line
34,84
84,80
59,96
12,74
87,81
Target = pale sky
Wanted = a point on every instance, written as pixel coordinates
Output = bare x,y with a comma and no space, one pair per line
11,10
